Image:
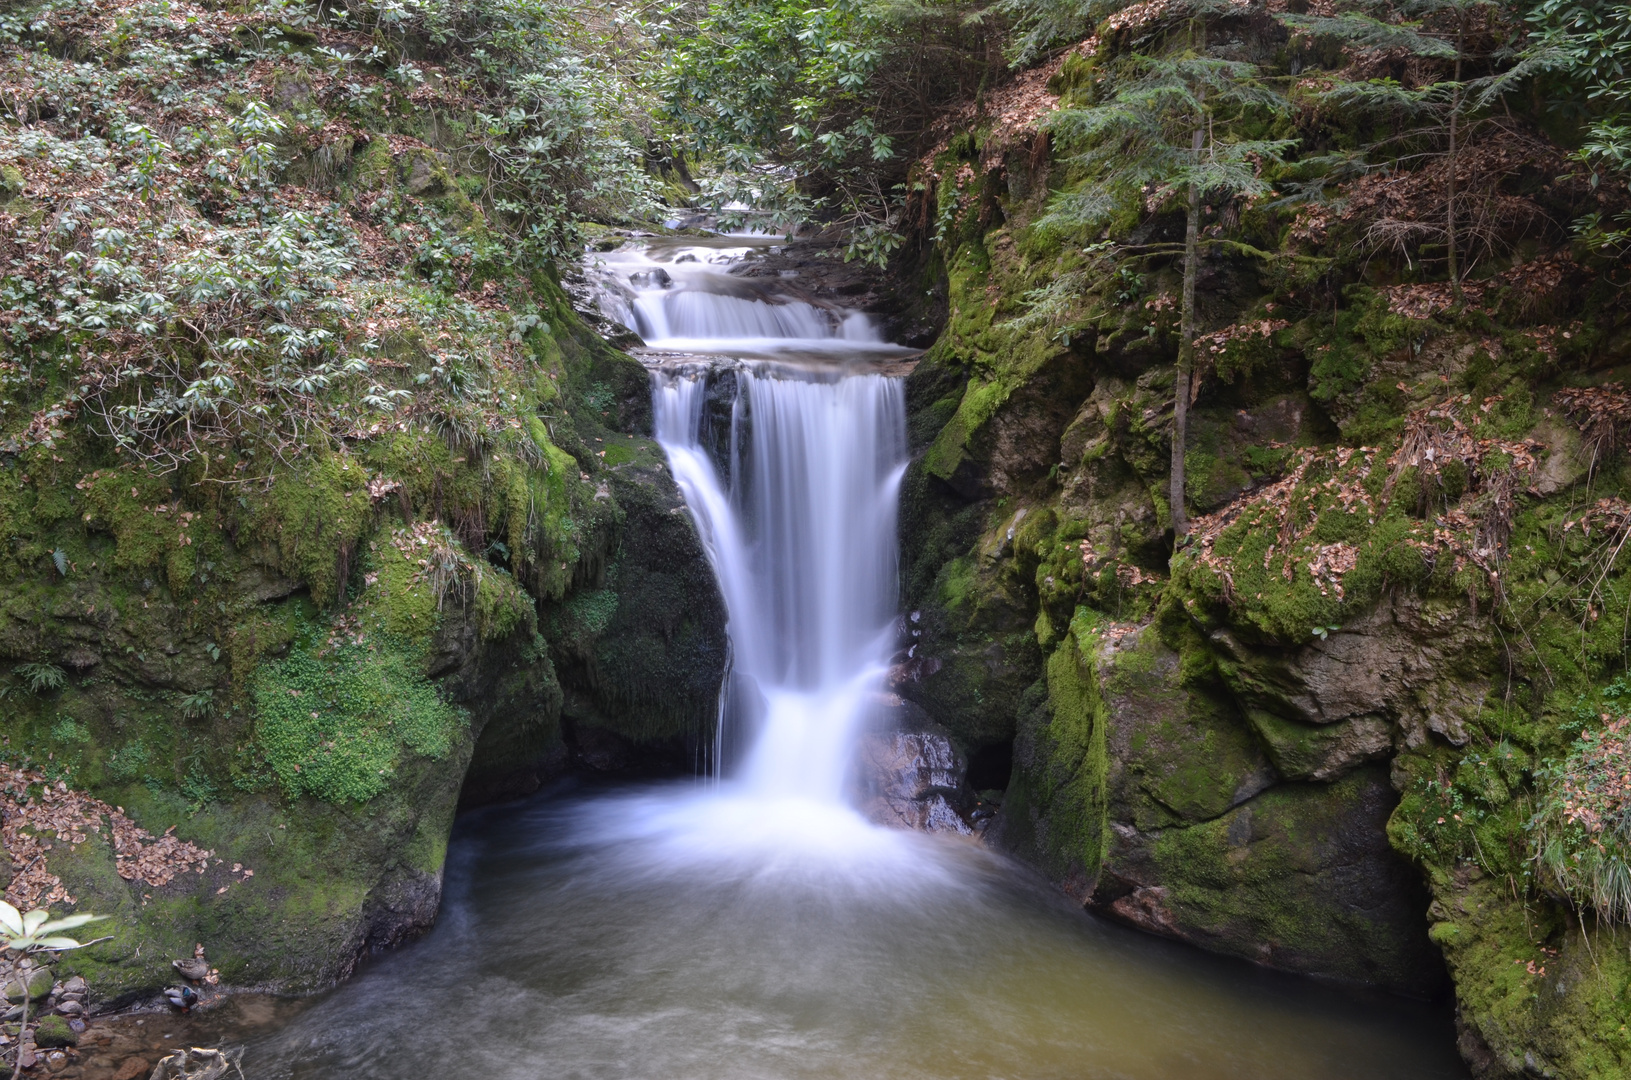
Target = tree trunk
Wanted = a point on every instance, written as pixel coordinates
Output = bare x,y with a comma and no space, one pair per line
1455,114
1186,353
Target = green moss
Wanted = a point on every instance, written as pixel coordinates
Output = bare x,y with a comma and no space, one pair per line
149,524
54,1031
371,165
314,515
334,721
1058,794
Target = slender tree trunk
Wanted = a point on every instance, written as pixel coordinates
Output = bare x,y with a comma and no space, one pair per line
1455,115
22,1026
1186,351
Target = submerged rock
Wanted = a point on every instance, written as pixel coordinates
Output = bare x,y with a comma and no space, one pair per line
655,278
911,777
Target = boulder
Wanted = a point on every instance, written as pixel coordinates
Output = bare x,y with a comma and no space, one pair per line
909,774
34,985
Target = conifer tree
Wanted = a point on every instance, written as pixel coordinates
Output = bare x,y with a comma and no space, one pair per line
1175,126
1473,53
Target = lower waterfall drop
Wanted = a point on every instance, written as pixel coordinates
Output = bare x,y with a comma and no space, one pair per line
804,546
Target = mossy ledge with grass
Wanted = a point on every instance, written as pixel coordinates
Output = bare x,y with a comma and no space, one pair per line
323,512
1365,721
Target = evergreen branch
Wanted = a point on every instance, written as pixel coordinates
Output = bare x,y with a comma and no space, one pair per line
1366,32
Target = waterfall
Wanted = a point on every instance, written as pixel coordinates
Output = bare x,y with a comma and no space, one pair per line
804,547
796,509
683,297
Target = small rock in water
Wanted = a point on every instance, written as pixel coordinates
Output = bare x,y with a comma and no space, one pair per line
656,278
687,258
77,1026
55,1060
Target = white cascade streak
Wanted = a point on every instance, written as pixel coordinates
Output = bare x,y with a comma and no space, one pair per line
804,548
685,299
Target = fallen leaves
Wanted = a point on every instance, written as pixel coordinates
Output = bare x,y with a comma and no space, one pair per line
37,813
1603,414
1497,470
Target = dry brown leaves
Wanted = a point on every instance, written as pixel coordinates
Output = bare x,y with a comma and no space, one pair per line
1329,563
1210,348
1536,281
1016,107
32,824
1423,301
1277,506
1496,469
1603,414
1436,436
1615,514
1149,12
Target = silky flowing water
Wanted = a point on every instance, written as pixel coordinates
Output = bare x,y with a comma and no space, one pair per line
751,924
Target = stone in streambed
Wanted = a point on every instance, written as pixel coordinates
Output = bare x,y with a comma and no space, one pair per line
54,1031
38,984
911,778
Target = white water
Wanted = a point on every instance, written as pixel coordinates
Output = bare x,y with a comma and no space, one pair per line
804,550
797,516
681,297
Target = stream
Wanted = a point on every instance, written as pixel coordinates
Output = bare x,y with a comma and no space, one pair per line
751,924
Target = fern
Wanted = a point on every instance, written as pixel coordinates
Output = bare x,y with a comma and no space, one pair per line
60,558
42,676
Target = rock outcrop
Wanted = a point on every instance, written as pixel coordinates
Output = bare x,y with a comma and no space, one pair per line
1315,732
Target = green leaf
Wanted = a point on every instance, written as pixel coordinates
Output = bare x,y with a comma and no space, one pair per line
69,922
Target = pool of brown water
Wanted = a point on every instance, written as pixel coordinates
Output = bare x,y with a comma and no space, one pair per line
678,932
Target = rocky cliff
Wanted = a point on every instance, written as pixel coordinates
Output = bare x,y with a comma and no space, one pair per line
323,511
1328,730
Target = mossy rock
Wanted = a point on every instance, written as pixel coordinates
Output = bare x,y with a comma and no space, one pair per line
53,1031
1053,814
37,985
1301,878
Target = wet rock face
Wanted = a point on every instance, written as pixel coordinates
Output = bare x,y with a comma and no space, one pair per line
1405,662
1299,878
814,270
1144,789
909,775
630,683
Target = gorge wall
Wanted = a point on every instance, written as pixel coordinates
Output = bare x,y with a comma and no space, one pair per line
259,639
1315,734
270,612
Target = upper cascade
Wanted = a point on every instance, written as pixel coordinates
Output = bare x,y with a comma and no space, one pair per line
681,296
